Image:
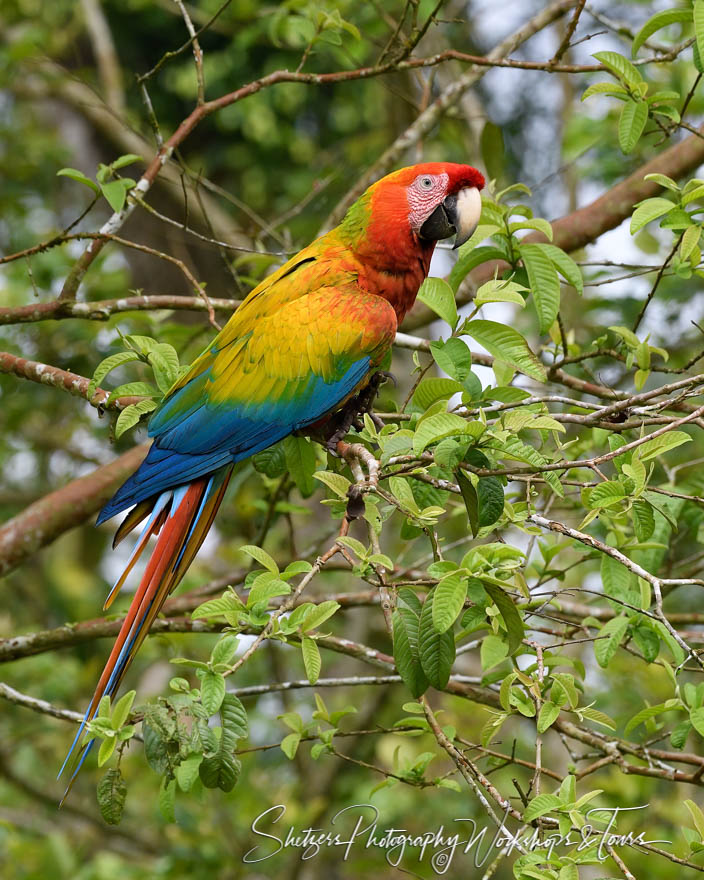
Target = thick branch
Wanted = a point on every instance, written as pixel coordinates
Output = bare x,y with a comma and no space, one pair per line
45,374
56,513
56,310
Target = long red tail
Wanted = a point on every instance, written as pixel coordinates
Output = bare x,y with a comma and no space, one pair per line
181,518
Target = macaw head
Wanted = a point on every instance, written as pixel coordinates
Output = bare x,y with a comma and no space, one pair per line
399,219
424,203
443,200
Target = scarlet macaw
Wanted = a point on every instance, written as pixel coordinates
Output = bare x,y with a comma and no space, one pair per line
305,341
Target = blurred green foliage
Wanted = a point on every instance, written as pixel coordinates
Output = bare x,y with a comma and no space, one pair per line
283,159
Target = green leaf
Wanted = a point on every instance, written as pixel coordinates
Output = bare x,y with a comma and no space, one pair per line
311,659
469,260
436,650
697,59
537,223
672,643
167,799
402,490
618,581
648,641
224,650
186,772
643,520
319,614
449,596
693,195
164,358
697,816
112,791
298,566
471,501
115,193
698,10
429,391
442,425
621,67
508,345
404,495
628,336
216,607
265,587
564,686
155,750
610,637
439,296
222,769
271,462
107,747
510,614
569,871
500,291
300,461
607,494
565,265
489,490
212,691
122,709
541,805
661,444
650,210
336,482
109,364
79,177
406,624
289,745
453,357
548,714
605,88
234,716
690,241
132,389
663,180
513,447
634,116
680,732
261,556
131,414
656,23
544,283
645,715
696,716
598,717
127,159
678,220
493,650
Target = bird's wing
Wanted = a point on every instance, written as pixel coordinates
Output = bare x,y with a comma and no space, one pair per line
285,362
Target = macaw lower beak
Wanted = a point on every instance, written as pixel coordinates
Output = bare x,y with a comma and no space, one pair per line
457,215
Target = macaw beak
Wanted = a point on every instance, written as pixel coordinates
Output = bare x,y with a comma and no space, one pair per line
457,215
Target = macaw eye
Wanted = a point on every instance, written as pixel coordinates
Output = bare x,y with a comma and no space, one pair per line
426,183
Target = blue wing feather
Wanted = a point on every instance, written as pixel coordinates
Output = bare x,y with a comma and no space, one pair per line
205,438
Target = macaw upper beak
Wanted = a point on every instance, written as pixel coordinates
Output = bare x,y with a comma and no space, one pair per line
457,215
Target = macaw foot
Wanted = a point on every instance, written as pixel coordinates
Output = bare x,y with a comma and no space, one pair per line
352,413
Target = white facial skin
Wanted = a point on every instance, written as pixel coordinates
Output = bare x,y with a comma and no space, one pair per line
429,190
424,195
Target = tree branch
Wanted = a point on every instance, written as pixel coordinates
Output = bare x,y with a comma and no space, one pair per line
43,522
